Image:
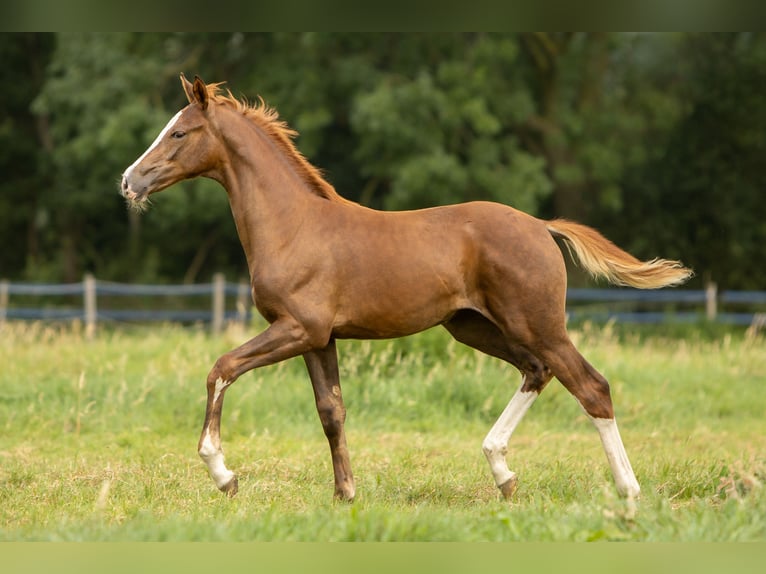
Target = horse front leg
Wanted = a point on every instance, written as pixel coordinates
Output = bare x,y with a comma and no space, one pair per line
322,366
209,447
282,340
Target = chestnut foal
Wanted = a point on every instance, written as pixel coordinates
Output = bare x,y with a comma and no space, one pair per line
324,268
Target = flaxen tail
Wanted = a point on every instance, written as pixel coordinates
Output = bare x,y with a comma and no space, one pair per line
602,258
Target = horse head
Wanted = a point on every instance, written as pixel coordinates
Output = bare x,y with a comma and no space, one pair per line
187,147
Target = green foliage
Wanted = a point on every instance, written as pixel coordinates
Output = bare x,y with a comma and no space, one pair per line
446,134
704,189
22,158
654,138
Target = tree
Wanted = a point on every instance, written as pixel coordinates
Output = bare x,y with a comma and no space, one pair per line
701,198
103,104
656,139
22,149
94,107
598,114
442,127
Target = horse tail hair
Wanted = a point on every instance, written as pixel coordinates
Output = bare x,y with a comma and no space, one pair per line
602,258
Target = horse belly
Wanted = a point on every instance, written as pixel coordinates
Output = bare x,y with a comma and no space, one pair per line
398,296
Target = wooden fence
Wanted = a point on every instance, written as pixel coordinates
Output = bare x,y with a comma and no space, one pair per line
93,301
679,305
83,302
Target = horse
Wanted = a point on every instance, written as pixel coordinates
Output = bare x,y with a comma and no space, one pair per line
324,268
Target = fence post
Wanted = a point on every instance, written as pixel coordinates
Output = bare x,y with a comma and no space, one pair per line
243,296
711,300
219,302
89,299
3,300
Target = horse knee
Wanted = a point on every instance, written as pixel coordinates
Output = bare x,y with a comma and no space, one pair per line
222,371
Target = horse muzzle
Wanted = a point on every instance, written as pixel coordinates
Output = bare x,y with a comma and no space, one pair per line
129,192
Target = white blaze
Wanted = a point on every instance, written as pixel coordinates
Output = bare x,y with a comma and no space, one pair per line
156,142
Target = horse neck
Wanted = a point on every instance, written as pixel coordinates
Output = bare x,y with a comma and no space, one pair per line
268,199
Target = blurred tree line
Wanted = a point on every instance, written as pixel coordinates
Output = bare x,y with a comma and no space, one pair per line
659,140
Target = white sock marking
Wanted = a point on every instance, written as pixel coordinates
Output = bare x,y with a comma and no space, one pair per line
624,478
495,445
213,457
211,454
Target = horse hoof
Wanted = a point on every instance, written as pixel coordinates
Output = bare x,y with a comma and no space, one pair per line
343,497
231,488
509,487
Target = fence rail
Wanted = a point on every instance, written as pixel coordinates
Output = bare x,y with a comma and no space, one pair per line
85,295
626,305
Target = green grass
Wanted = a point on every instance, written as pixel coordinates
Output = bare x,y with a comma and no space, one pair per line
98,442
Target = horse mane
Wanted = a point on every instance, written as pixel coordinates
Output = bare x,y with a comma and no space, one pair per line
282,135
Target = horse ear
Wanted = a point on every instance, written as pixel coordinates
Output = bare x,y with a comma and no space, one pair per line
188,89
200,92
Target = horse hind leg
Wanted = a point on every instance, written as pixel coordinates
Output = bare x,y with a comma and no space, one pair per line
495,445
478,332
591,390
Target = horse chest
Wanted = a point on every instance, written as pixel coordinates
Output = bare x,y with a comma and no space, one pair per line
265,301
285,293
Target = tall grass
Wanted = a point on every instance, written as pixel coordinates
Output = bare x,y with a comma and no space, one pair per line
98,441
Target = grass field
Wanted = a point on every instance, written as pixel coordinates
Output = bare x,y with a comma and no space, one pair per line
98,442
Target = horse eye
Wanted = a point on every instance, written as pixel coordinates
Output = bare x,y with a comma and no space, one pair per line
177,135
